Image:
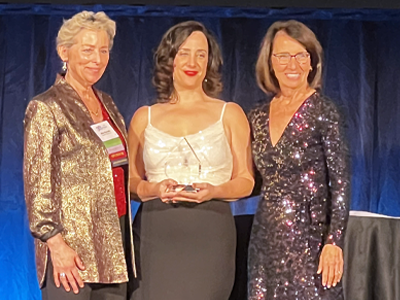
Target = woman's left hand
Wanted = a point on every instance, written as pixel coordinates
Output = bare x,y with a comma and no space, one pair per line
331,265
204,192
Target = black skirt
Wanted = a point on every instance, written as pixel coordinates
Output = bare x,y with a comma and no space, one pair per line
184,251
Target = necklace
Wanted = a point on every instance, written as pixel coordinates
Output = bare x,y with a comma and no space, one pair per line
94,113
85,95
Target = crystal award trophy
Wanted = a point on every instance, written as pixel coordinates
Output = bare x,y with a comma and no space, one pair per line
184,166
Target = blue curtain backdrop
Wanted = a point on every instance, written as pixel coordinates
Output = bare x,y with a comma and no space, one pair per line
361,71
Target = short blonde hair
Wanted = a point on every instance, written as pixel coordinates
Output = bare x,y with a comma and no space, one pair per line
266,78
85,20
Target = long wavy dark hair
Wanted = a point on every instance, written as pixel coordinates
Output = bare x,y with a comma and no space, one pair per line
165,55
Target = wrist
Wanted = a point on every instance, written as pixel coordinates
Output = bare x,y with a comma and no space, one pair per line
55,242
217,192
148,190
152,190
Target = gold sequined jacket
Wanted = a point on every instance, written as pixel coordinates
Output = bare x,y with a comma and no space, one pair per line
69,186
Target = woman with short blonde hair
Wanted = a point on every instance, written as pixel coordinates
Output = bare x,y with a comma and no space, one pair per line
88,20
76,185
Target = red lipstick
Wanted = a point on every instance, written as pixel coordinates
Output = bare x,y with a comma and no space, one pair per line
191,73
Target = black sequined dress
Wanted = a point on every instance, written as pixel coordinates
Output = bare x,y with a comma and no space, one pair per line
304,205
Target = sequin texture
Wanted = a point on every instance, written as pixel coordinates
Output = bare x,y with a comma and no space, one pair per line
69,185
304,205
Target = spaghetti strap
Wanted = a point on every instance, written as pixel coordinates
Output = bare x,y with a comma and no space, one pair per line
223,111
149,115
157,227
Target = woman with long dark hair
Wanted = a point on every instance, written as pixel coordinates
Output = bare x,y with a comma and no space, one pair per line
191,156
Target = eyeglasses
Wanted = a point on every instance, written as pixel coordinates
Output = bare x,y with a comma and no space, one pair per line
284,58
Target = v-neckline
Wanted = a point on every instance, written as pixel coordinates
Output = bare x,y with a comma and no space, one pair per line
288,123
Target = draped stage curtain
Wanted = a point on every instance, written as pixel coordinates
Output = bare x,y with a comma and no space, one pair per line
361,62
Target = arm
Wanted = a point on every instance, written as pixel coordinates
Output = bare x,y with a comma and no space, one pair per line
140,187
336,155
238,132
41,177
41,168
242,182
337,161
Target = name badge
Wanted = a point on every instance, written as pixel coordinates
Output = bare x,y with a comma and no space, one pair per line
112,142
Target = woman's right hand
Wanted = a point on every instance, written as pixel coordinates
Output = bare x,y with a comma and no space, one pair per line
66,263
165,190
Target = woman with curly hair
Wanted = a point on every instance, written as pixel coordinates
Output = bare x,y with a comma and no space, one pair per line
191,156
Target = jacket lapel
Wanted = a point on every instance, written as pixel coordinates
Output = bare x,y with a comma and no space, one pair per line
114,116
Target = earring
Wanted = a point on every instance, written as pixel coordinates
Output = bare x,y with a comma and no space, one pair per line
310,69
64,66
205,80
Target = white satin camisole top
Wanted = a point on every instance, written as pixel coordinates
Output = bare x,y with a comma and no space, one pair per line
204,156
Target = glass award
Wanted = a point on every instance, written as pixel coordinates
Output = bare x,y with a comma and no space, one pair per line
184,166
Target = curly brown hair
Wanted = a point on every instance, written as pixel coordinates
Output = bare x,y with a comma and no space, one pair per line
165,55
265,75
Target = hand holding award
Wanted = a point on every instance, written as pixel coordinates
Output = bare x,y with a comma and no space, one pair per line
184,166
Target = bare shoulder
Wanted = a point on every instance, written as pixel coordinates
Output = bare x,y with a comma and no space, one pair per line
215,101
159,108
234,118
218,104
234,107
140,118
234,112
160,105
